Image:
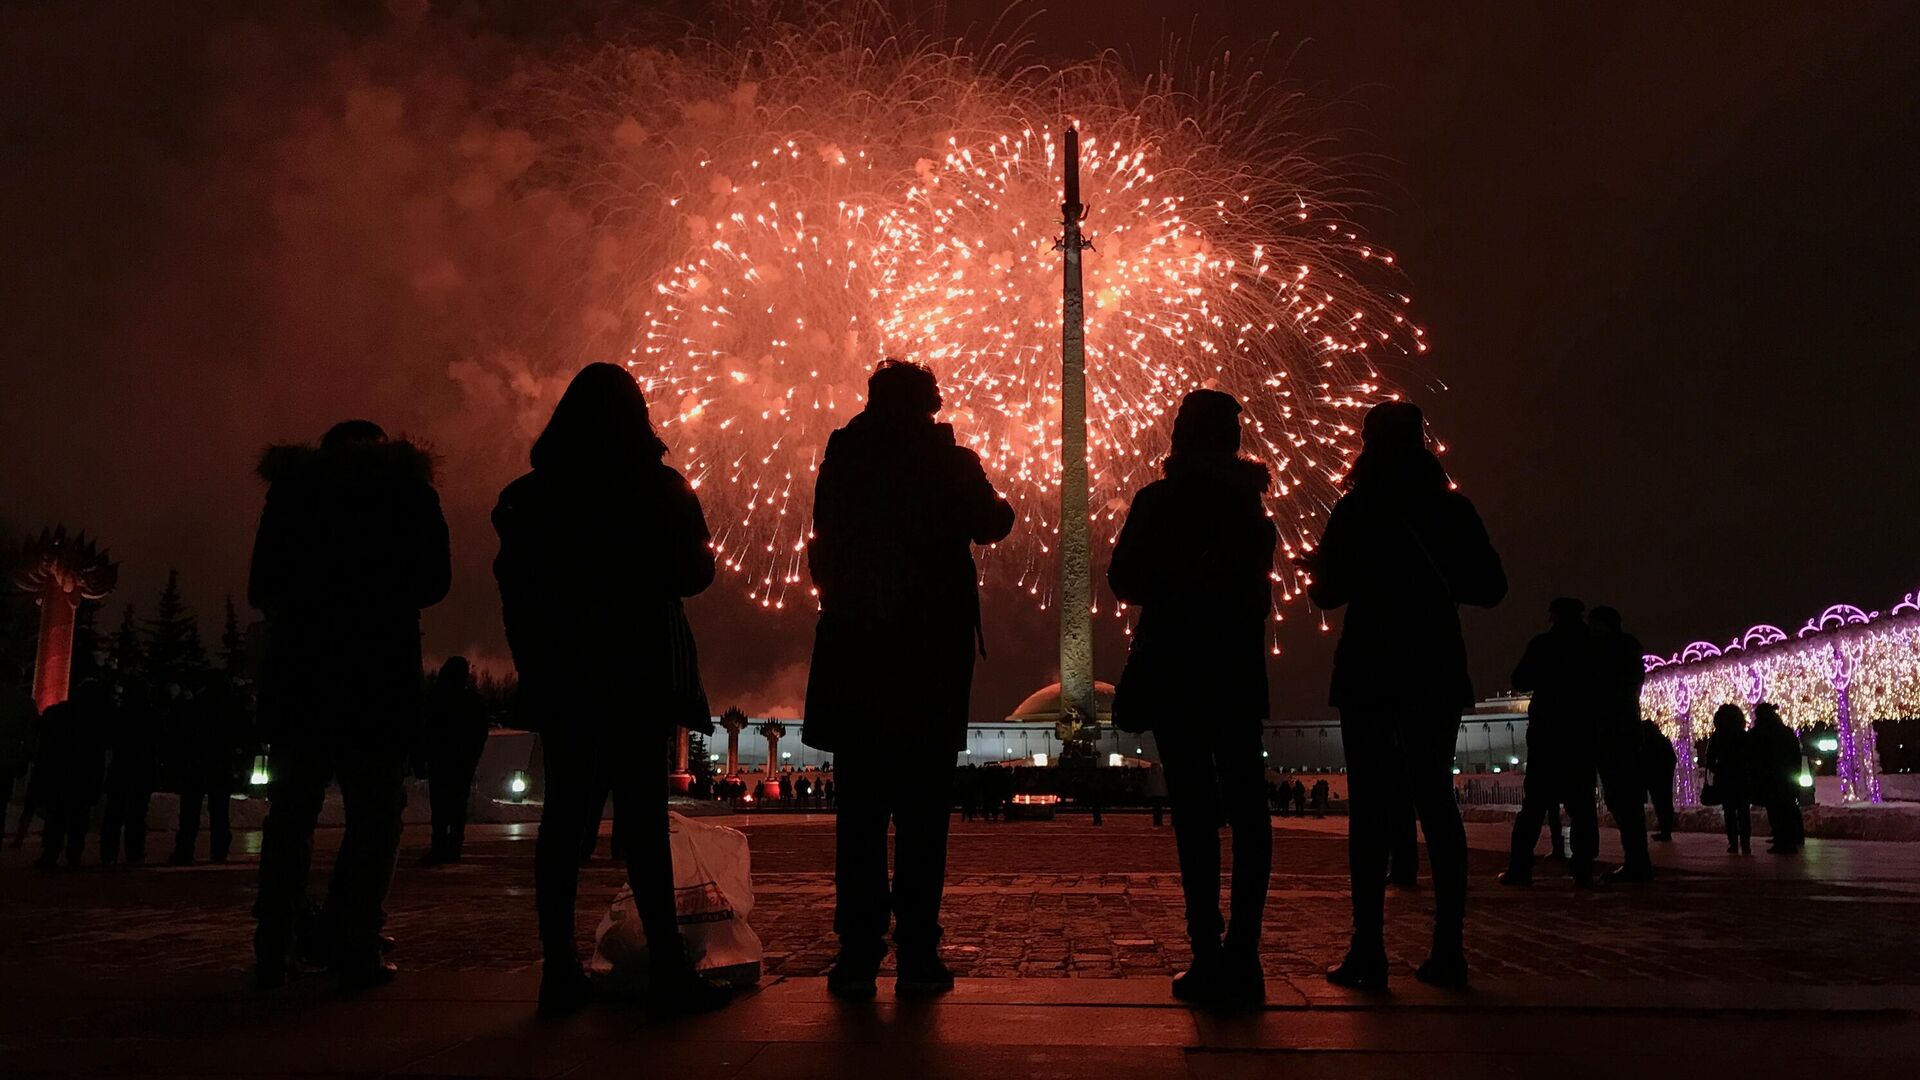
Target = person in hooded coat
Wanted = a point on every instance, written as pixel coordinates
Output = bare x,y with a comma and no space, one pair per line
898,506
456,735
1777,764
1401,552
1622,668
599,544
1195,555
1562,669
351,546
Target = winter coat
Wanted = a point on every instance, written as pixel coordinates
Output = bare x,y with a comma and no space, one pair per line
1621,670
135,766
70,761
456,731
17,725
1400,562
351,546
1657,754
897,508
1196,557
1562,670
1729,760
1773,762
594,563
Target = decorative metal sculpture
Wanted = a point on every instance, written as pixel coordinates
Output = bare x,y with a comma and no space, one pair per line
59,572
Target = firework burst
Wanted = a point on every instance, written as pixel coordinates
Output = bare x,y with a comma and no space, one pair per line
819,196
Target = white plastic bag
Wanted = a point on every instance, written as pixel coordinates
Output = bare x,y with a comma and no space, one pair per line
713,895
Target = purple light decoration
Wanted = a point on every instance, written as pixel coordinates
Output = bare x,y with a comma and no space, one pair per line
1683,793
1864,659
1841,664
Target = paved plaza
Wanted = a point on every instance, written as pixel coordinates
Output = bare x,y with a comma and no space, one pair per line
1063,934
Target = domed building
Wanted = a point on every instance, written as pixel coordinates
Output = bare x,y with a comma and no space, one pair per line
1031,731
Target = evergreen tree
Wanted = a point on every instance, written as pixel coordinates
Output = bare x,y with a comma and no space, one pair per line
174,652
233,645
125,659
87,646
697,764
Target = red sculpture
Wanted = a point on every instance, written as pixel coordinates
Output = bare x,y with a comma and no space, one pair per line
59,572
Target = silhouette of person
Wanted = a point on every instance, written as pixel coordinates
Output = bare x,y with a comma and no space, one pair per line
1620,669
1729,765
68,770
131,775
1657,765
1401,551
1300,797
599,545
1195,555
351,546
209,727
1403,854
1556,832
897,508
1560,669
456,735
1776,778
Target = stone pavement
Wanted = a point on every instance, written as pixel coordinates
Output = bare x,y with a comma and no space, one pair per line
1064,934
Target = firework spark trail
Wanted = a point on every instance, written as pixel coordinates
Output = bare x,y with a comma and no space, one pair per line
827,195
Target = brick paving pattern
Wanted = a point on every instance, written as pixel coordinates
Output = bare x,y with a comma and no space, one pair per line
1043,900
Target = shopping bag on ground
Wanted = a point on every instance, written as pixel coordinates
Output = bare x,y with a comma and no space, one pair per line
713,895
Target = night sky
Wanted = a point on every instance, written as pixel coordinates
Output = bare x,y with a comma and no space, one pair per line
1665,259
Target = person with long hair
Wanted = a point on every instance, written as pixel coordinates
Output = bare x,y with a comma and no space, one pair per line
1196,557
1402,550
1729,768
1775,754
599,544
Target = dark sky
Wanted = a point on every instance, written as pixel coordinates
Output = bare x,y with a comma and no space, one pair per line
1665,257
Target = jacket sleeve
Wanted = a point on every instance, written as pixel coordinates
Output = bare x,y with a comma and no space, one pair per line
1133,572
1479,578
266,576
984,514
432,562
690,566
1330,570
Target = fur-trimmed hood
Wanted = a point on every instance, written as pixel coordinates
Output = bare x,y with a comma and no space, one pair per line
393,459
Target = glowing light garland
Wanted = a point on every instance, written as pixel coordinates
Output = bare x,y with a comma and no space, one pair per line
828,194
1845,668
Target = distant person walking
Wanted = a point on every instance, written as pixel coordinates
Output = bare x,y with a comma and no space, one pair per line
898,506
1620,669
1560,670
607,662
1196,557
132,772
1401,552
1729,767
456,736
1658,763
351,546
1776,778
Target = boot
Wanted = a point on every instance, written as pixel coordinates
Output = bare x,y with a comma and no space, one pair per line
1363,968
855,973
1241,981
677,989
564,988
922,974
